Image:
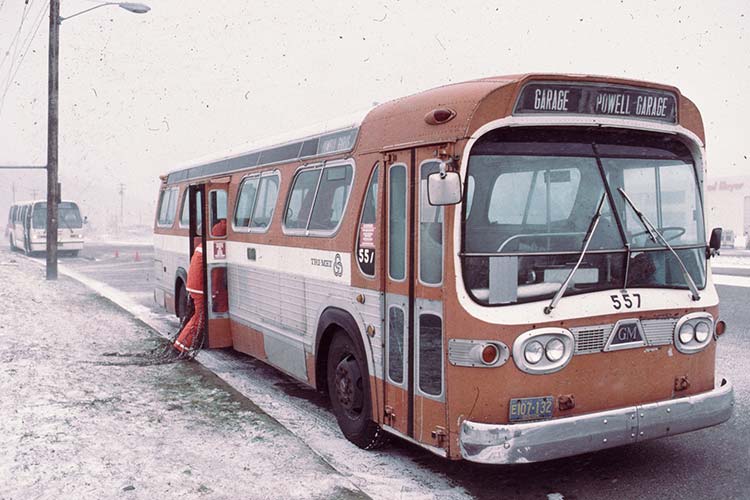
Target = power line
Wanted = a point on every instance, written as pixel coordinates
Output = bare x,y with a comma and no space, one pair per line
16,35
28,41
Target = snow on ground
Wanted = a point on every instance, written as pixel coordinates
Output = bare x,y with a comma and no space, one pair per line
382,474
390,473
77,422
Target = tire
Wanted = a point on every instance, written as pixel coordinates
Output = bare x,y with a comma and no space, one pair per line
349,392
180,303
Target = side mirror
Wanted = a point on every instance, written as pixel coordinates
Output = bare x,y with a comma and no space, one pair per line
444,188
714,244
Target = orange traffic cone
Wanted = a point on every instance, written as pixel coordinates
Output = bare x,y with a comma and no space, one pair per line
137,256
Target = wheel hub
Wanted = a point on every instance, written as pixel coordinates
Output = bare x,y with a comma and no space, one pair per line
348,386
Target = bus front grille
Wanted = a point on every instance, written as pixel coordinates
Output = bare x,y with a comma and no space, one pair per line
593,338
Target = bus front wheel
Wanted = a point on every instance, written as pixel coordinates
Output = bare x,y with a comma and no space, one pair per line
349,391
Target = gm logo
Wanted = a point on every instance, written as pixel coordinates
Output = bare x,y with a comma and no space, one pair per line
626,334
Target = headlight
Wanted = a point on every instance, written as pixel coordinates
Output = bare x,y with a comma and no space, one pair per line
686,333
692,332
544,350
555,350
533,352
702,331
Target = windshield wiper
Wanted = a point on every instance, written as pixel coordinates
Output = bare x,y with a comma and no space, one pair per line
65,223
586,240
653,233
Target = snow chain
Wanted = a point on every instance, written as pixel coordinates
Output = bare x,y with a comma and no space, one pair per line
167,353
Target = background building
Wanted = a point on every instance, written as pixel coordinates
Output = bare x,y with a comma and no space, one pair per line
728,206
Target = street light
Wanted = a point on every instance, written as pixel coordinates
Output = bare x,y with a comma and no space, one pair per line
136,8
53,187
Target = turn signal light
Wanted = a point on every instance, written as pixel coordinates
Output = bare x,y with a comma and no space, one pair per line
489,354
721,327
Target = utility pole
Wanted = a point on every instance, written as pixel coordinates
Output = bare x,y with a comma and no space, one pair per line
122,196
52,129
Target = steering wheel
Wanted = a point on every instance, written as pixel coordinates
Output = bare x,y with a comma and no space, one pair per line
679,230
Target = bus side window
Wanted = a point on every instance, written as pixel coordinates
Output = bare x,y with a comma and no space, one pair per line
167,207
430,354
268,191
301,199
245,202
396,344
185,213
218,210
430,231
397,222
331,198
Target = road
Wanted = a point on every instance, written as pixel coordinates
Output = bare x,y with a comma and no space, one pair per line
712,463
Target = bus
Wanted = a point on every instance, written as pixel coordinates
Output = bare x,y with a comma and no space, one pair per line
27,223
506,270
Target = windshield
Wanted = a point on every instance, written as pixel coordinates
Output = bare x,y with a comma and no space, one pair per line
531,195
68,216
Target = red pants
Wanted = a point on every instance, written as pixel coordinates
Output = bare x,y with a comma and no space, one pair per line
192,329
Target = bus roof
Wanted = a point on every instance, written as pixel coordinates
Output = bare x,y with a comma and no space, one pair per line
33,202
403,122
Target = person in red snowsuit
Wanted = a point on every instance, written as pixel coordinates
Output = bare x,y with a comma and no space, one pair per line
189,334
194,287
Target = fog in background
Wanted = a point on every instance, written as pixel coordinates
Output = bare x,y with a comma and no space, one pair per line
141,94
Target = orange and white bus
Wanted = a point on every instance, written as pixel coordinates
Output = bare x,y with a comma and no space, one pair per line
506,270
27,227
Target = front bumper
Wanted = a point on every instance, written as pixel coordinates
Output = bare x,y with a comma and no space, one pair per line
564,437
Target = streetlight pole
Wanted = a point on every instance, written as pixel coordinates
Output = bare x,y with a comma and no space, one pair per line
52,128
53,186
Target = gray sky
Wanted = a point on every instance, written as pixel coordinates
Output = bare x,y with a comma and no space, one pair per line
140,94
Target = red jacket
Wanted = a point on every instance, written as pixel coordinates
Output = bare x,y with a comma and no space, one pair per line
195,272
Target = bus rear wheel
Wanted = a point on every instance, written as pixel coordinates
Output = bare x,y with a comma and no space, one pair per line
349,392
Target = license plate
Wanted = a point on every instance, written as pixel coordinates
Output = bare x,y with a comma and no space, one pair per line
530,408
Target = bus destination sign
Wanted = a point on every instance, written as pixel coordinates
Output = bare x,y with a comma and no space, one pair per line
599,100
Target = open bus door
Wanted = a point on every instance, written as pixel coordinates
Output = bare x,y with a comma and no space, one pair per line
208,202
415,346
